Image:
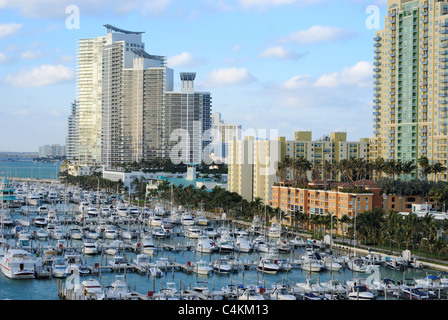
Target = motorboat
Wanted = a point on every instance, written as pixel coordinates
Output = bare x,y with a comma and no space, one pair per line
118,290
93,212
222,266
18,264
193,232
430,282
205,245
242,244
413,294
122,210
114,247
40,222
90,246
110,232
41,234
275,230
268,265
360,292
156,272
251,293
76,234
200,286
312,262
230,290
226,243
148,246
333,287
134,211
59,268
384,284
330,263
118,262
359,265
159,233
91,288
211,232
310,285
142,261
154,220
187,219
202,267
298,242
201,220
281,293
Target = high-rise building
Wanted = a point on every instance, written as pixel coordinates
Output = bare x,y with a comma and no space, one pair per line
51,151
411,83
187,121
252,166
72,140
222,133
125,111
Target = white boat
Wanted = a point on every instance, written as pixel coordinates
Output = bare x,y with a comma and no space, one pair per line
134,211
18,264
159,233
298,242
91,287
76,234
211,232
333,287
430,282
242,244
148,246
118,290
43,210
359,265
226,243
205,245
221,265
281,293
41,234
330,263
122,210
93,212
193,232
59,268
90,247
275,230
360,293
110,232
268,265
312,262
186,219
310,285
251,293
201,220
156,272
114,247
202,267
118,262
384,284
142,261
154,220
40,221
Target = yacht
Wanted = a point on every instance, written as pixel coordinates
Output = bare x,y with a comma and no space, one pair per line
360,293
90,247
275,230
250,293
221,265
18,264
186,219
202,267
142,261
268,265
59,268
242,244
310,285
193,232
154,220
282,293
205,245
40,222
114,247
148,246
160,233
118,262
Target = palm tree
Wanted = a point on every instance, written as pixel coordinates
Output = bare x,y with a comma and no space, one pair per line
407,168
378,166
437,168
425,167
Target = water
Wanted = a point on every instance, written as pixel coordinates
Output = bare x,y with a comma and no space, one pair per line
29,169
46,289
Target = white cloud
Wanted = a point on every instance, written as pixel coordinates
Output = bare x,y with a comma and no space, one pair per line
297,82
41,76
8,29
359,75
318,34
280,53
185,59
229,76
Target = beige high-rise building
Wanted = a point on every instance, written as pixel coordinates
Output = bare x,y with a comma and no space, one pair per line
411,83
253,165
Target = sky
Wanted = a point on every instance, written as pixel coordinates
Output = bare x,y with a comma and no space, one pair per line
273,66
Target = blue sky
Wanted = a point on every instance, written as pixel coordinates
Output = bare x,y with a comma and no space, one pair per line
281,65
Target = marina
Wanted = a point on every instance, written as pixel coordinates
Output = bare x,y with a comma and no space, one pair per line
74,244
